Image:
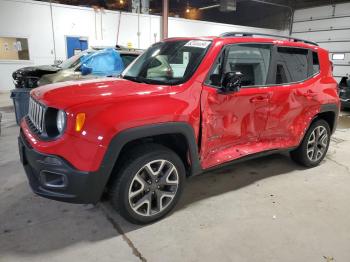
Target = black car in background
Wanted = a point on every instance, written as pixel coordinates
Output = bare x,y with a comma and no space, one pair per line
344,92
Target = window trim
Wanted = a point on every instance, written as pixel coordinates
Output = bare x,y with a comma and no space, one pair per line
272,70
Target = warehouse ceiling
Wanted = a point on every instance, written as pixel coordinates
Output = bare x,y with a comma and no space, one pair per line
274,14
298,4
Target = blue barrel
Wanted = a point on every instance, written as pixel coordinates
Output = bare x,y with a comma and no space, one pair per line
20,97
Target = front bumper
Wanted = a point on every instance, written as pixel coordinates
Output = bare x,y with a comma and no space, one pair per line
52,177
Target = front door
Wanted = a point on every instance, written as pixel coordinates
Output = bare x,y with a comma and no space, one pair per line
233,122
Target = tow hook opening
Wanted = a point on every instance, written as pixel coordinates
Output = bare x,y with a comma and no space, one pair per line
53,180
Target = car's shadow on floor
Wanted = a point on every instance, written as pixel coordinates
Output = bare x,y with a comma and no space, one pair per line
236,176
31,224
226,179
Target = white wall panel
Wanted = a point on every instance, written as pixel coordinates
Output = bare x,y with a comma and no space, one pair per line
340,71
308,13
322,12
342,9
109,28
336,47
128,29
73,21
325,35
321,24
32,19
155,29
184,27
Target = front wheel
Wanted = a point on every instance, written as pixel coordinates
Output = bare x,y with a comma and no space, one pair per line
314,146
149,184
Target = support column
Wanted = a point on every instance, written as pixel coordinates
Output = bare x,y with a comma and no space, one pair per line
165,14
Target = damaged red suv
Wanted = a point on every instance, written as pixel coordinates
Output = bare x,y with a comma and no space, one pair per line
185,106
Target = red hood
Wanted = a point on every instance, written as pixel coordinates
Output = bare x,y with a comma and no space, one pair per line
64,95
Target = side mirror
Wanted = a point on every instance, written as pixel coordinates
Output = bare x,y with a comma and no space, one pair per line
232,82
85,70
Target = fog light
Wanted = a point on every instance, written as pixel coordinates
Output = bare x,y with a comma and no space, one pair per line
54,180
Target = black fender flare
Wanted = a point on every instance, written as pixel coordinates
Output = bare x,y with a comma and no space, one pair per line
325,108
117,143
334,108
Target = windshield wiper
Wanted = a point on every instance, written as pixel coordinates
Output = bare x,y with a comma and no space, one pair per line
140,79
133,78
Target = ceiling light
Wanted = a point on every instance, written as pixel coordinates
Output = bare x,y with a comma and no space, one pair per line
208,7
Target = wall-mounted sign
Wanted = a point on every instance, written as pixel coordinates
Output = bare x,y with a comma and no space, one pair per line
13,48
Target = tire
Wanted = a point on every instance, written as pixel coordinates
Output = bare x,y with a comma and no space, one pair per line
149,184
310,153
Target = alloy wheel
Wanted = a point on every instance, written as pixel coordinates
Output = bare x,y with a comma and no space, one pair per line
153,187
317,143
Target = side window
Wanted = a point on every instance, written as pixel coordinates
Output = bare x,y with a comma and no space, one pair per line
315,63
296,61
281,76
252,60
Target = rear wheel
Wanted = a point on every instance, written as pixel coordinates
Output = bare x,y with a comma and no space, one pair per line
149,184
314,146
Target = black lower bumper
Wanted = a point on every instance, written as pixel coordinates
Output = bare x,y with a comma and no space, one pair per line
52,177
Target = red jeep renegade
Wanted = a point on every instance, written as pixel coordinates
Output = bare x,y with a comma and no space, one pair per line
185,106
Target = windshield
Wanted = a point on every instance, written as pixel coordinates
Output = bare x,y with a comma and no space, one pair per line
168,63
73,61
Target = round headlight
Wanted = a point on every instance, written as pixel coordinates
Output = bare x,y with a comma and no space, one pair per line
61,120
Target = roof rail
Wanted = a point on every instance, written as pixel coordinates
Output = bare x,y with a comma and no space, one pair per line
250,34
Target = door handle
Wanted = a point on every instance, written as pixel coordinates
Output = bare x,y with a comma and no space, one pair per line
259,99
311,94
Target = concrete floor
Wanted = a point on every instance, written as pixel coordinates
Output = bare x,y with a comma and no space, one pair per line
268,209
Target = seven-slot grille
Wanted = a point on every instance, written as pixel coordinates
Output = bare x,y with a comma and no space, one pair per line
36,114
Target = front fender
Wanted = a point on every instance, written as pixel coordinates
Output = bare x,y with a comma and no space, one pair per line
120,140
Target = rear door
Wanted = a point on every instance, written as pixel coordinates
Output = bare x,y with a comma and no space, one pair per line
294,96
